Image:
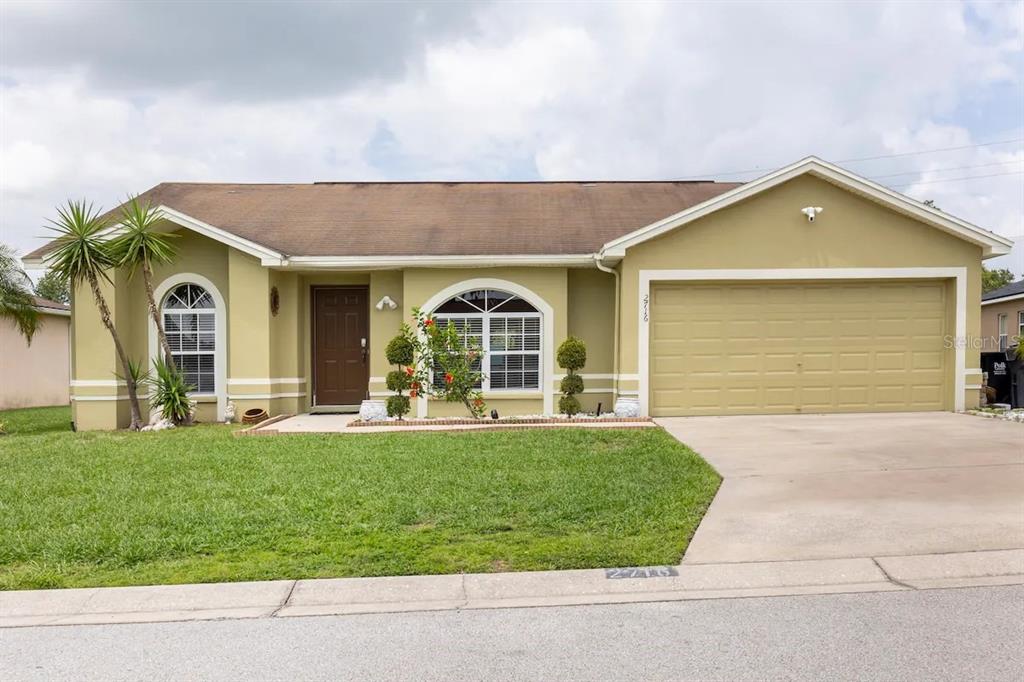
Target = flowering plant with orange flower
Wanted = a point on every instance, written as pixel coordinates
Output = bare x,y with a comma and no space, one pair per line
453,360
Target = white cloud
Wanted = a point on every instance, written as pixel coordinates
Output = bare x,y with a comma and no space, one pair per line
638,90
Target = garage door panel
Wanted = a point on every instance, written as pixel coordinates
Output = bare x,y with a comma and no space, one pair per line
763,348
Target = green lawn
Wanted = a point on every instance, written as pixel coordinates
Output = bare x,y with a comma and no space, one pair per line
200,505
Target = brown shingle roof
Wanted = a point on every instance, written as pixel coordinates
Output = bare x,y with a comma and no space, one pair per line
40,302
432,218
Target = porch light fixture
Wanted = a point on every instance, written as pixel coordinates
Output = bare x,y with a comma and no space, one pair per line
386,302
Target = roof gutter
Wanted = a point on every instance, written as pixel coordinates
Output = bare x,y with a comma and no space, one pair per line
1003,299
392,262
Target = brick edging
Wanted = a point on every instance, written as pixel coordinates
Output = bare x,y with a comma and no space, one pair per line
492,423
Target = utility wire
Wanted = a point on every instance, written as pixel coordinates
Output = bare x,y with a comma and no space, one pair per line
931,151
970,177
697,176
942,170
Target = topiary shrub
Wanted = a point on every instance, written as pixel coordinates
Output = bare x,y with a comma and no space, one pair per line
570,405
572,384
398,405
398,381
571,356
401,351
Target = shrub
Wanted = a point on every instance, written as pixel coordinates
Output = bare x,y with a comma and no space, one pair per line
570,405
398,405
401,349
572,384
455,364
169,392
572,356
398,381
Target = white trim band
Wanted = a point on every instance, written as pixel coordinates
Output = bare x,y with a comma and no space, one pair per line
266,382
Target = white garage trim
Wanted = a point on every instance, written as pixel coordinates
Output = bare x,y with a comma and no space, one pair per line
648,276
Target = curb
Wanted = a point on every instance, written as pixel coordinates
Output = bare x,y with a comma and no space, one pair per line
341,596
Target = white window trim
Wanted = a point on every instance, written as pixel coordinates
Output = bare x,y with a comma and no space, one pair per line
220,333
648,276
1003,336
547,324
1020,323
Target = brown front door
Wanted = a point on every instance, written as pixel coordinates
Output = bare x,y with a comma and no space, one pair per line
341,368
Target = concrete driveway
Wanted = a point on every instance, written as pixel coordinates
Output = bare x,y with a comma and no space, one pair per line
859,485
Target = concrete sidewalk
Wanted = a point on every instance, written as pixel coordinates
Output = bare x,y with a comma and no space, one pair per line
290,598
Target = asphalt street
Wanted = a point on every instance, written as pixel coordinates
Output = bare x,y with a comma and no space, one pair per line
955,634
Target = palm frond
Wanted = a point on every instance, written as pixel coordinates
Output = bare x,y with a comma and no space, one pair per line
80,247
169,392
139,241
16,302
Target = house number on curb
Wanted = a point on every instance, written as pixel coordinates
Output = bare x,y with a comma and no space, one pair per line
640,572
646,301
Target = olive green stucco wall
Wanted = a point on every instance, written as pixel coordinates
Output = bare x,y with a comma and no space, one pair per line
267,357
769,232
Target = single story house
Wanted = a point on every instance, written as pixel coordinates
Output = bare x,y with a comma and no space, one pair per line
808,290
1002,316
36,374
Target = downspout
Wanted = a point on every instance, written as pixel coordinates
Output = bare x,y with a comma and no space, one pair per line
615,337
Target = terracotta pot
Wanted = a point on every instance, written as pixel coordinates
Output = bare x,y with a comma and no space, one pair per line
254,415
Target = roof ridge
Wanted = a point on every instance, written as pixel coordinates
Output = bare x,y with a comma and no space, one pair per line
450,182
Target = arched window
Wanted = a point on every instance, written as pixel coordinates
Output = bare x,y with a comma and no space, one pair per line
508,329
190,322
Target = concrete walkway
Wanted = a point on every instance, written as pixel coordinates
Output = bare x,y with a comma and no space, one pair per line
290,598
852,485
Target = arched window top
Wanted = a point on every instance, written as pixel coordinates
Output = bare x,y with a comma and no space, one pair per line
188,297
190,325
508,331
484,301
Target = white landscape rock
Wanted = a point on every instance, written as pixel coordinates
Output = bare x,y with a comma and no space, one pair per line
627,407
373,410
157,423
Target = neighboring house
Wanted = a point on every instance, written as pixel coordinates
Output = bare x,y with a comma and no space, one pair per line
36,375
694,298
1002,316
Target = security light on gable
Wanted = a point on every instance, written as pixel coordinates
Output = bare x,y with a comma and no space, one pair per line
811,212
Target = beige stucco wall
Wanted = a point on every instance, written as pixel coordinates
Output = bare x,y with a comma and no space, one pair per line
38,374
547,284
591,315
768,231
990,323
267,357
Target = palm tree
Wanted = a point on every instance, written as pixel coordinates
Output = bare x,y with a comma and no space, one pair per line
139,245
16,303
81,254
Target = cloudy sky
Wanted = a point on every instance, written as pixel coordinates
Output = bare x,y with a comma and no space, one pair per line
98,99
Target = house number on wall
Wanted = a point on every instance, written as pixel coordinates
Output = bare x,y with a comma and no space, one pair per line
641,572
644,305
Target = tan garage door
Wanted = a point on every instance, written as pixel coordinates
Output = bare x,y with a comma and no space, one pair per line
764,348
